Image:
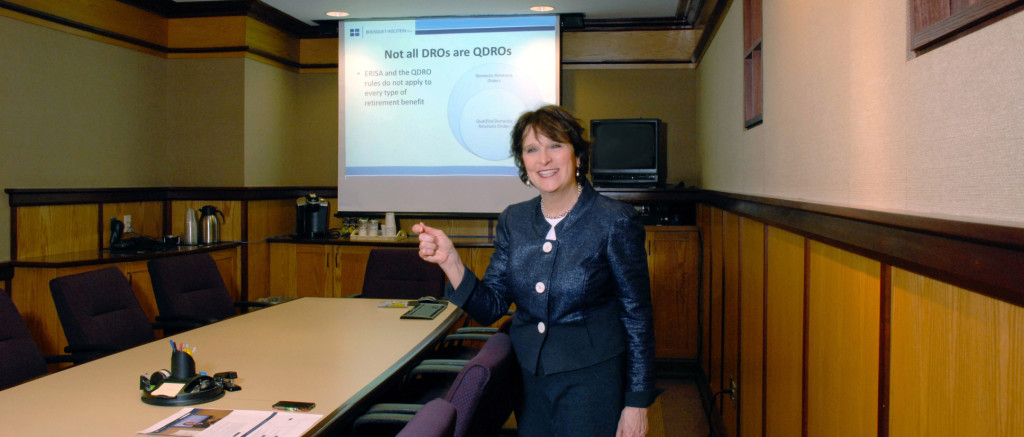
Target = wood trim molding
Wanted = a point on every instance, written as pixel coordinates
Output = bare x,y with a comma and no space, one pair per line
884,349
980,257
59,196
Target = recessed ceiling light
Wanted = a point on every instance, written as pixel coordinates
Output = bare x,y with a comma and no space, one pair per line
337,14
542,8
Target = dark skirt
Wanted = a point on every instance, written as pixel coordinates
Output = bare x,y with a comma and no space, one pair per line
583,402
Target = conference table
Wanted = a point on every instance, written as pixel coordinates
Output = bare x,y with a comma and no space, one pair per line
337,352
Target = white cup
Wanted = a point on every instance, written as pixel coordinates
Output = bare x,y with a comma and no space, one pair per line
389,219
389,231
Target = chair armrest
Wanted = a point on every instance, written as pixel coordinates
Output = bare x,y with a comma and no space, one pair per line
91,348
253,304
394,408
81,353
466,337
196,321
392,423
73,358
476,330
443,362
442,368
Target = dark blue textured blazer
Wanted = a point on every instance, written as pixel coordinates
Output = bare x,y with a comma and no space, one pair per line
585,299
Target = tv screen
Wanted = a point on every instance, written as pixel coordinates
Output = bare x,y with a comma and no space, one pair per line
627,152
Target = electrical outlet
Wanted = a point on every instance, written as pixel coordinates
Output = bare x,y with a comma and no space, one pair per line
734,390
128,224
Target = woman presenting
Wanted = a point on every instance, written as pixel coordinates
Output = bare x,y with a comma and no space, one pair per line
574,263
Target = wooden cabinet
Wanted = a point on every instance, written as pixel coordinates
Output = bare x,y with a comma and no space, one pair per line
317,270
336,270
672,259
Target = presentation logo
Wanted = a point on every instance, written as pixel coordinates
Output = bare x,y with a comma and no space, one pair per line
354,32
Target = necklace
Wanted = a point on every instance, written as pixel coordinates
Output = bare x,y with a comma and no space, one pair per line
579,190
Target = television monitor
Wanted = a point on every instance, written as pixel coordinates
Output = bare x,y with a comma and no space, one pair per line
627,152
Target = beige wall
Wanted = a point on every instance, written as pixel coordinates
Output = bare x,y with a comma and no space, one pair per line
668,94
205,122
850,119
291,128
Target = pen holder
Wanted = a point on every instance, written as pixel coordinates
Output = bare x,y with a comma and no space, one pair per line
183,366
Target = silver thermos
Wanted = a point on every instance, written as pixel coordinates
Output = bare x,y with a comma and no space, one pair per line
209,226
191,235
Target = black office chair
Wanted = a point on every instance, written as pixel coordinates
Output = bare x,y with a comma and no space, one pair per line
400,274
189,289
99,313
480,394
20,358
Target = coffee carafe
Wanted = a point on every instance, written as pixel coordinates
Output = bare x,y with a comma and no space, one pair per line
311,216
209,225
190,237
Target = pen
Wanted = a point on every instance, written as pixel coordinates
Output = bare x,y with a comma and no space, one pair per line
173,346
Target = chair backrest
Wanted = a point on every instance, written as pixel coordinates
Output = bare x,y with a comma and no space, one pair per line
481,391
99,308
435,419
20,358
401,274
190,285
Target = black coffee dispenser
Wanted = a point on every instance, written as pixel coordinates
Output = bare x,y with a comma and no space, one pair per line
311,216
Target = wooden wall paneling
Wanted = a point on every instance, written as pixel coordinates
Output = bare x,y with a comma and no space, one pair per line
884,348
784,314
957,364
147,218
142,285
50,229
110,15
452,227
476,258
751,328
843,343
351,267
314,271
481,257
730,319
319,51
302,270
268,41
283,269
672,257
206,32
704,222
629,46
266,218
714,371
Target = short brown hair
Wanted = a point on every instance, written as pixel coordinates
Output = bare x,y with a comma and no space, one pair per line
557,124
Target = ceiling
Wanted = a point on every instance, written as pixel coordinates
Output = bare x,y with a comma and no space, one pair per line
311,11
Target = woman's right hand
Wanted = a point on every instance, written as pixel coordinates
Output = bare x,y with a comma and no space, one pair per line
437,248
